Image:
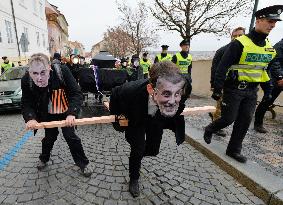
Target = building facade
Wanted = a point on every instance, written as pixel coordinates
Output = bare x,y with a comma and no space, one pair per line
76,48
23,29
57,31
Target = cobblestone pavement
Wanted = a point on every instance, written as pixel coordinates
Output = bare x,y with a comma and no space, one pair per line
179,175
265,149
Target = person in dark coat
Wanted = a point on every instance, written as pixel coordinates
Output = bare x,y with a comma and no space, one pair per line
241,69
269,98
74,66
52,94
151,105
237,32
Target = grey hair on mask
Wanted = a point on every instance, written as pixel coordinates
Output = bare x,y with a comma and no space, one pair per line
165,70
39,58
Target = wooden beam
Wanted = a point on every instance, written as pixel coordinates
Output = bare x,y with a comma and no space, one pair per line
111,118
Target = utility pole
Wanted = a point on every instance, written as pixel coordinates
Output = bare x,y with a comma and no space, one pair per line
253,16
15,26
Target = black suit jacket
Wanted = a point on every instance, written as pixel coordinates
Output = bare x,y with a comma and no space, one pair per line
131,100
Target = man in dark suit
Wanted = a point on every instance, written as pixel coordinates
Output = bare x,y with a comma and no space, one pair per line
150,105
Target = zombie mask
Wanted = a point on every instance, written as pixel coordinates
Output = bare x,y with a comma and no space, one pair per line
39,73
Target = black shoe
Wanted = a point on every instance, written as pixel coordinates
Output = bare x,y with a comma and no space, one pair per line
134,187
86,171
260,129
207,136
237,156
41,165
221,133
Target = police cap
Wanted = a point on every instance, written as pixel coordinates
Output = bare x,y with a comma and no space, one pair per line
184,42
271,12
164,46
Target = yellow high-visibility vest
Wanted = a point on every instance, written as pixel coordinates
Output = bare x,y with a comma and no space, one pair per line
254,61
168,57
6,66
183,63
145,65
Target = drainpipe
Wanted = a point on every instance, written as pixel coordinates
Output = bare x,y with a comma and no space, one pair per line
15,26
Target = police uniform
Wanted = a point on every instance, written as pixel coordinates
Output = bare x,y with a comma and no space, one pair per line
145,64
184,61
6,66
164,56
241,69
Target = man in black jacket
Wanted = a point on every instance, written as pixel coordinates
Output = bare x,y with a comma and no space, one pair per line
150,106
52,94
241,69
237,32
268,99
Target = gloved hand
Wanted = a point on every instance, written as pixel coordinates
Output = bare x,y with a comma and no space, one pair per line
216,95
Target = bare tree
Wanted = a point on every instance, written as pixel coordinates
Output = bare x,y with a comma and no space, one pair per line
136,23
192,17
118,42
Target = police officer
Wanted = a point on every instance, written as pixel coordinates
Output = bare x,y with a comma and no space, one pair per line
6,65
237,32
269,97
145,64
240,70
183,60
163,56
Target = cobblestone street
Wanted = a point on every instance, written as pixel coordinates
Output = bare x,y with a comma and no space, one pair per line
179,175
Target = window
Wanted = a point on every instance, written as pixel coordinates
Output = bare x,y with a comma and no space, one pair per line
9,31
34,6
43,40
26,33
37,38
40,9
0,37
22,2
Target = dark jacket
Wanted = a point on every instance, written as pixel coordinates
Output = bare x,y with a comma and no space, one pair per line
35,100
215,62
276,66
131,100
231,57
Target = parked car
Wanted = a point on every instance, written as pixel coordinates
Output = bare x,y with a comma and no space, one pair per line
10,88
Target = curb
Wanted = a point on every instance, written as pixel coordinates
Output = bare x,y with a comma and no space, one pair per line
255,178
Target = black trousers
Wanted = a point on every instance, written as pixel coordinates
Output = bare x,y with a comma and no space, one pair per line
237,106
264,105
144,141
73,141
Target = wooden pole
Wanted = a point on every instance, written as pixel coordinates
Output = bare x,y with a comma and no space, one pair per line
111,118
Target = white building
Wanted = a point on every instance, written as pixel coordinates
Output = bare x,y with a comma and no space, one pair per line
29,20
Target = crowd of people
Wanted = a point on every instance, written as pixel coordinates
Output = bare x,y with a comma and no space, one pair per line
155,95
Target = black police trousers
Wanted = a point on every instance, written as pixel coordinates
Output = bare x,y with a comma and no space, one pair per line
264,105
144,141
73,141
237,106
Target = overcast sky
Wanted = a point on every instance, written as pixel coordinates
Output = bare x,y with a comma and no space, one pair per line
89,19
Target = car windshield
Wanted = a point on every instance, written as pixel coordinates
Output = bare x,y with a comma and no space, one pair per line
14,73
